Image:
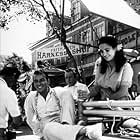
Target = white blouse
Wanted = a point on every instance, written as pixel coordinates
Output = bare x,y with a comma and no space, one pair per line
112,79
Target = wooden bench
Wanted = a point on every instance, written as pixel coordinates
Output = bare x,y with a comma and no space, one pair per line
112,106
106,111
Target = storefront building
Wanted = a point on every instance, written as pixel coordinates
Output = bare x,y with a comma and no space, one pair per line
82,35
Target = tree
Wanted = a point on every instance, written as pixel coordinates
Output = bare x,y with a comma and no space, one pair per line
18,62
7,12
37,10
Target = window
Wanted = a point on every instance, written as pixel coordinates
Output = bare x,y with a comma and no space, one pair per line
75,12
63,59
118,28
86,36
76,37
99,30
49,30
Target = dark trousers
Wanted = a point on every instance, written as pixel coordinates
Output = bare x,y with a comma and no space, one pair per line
3,134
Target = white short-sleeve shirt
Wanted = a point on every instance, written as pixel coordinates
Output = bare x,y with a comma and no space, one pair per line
113,79
8,104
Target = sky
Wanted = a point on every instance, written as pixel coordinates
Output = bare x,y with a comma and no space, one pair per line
21,34
19,37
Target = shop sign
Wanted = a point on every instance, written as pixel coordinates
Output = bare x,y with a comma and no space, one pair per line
129,40
58,51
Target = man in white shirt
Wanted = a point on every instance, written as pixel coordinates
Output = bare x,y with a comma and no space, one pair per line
8,100
76,88
50,113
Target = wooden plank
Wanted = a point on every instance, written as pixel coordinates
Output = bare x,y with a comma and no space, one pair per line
101,119
112,103
111,113
118,137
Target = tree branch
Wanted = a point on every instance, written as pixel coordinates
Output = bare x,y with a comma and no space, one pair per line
62,38
37,2
55,9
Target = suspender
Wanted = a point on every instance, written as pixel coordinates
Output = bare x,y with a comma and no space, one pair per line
36,113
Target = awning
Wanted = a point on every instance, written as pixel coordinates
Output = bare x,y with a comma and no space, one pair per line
117,10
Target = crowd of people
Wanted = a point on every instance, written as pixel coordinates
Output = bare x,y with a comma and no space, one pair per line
50,112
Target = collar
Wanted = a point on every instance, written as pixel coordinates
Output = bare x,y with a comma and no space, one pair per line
2,81
75,85
49,93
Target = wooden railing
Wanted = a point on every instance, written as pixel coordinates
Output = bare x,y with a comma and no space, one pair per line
95,111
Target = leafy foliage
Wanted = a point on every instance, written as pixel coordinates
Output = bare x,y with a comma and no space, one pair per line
34,10
18,62
5,8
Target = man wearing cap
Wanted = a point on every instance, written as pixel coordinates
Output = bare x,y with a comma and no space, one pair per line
8,100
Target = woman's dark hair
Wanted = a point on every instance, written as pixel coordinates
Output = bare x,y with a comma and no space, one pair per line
119,57
110,40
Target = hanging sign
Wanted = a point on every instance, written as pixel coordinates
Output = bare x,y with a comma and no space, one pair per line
58,51
130,39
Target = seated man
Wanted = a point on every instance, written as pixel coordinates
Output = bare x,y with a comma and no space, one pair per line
50,113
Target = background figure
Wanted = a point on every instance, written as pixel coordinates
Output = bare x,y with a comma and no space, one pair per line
8,100
51,113
75,88
138,83
133,91
111,72
133,122
24,83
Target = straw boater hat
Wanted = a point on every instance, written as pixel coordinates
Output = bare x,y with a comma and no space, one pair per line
22,77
